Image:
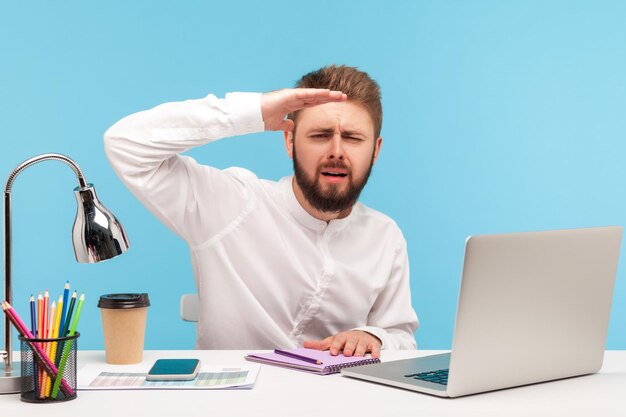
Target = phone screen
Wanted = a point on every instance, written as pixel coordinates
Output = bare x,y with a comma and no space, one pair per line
174,369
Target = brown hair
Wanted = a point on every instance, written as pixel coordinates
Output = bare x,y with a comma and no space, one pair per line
356,84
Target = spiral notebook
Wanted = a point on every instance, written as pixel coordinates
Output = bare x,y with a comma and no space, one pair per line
329,364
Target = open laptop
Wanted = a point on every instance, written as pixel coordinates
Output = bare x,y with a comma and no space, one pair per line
533,307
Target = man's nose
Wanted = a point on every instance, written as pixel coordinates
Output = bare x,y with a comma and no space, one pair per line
336,147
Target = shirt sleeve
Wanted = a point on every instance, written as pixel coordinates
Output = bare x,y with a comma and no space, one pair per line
392,318
195,201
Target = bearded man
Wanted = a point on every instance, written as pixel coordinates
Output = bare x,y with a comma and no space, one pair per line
298,262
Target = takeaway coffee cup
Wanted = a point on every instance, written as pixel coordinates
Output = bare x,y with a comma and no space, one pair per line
124,324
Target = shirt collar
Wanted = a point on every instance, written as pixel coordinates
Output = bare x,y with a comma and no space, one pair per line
297,211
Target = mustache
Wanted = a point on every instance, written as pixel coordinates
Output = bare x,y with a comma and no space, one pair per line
335,164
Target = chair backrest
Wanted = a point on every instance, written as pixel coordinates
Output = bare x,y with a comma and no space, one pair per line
189,307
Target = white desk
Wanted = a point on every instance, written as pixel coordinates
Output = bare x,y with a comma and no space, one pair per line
284,392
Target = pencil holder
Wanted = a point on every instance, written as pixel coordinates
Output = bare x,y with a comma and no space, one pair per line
43,360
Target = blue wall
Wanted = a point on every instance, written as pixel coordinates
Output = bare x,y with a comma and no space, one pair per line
499,117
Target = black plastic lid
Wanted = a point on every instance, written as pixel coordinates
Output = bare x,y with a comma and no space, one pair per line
124,300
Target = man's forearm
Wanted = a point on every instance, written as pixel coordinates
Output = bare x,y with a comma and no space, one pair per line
142,141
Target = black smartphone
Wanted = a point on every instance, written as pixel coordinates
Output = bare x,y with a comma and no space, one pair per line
174,370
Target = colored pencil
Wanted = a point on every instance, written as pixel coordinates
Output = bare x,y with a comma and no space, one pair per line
55,334
48,350
53,313
50,368
66,294
33,326
33,314
59,326
39,315
68,316
39,335
66,348
59,319
55,331
79,308
46,312
44,334
299,357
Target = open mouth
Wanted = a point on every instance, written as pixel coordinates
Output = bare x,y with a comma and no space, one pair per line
334,174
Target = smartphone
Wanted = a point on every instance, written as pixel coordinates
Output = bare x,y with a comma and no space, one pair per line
174,370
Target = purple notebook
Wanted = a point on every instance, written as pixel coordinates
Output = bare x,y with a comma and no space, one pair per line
329,364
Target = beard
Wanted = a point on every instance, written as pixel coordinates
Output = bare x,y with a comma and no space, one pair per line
332,200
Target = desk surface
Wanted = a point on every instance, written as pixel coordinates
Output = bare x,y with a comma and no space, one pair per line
284,392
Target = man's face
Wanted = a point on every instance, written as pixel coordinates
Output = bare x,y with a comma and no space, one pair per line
333,154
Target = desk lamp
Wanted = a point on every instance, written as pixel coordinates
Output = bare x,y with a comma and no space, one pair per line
96,235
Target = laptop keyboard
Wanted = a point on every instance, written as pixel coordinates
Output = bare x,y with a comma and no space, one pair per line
438,377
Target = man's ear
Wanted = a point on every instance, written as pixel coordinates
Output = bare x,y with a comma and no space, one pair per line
289,143
377,145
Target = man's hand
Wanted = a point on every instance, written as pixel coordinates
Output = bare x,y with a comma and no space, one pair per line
276,105
353,343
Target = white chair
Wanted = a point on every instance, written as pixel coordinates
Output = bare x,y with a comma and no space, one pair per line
189,307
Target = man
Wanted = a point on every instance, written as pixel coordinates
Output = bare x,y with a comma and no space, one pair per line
278,264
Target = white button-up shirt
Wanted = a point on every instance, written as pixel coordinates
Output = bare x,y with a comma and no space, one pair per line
268,274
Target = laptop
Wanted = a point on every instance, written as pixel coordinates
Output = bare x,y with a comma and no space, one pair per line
533,307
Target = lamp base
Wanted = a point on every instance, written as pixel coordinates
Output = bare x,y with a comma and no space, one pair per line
11,381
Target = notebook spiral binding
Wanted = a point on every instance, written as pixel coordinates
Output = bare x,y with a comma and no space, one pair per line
333,369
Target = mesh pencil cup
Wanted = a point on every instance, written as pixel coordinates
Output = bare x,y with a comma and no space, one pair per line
42,361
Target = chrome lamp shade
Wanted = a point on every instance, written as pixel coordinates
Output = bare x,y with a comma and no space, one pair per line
96,235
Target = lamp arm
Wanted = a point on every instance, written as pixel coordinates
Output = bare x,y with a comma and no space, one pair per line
45,157
7,236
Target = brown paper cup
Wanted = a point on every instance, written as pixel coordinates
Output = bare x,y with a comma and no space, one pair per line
124,326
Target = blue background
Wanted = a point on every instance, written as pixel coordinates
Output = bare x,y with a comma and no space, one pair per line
499,117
